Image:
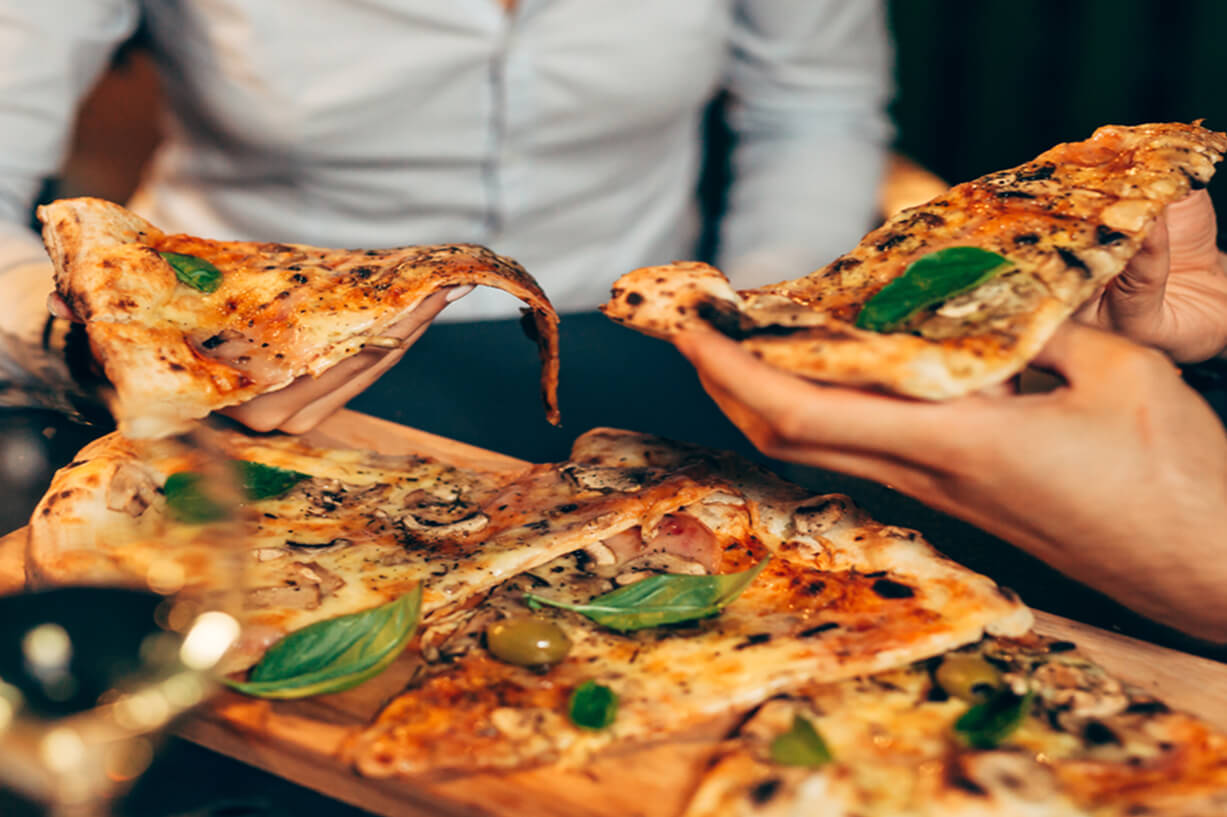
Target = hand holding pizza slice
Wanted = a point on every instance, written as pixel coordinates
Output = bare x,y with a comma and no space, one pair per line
1118,478
184,326
960,293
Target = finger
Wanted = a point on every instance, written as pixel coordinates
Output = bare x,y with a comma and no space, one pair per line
336,386
311,415
1191,226
58,307
797,412
1134,299
907,477
1085,356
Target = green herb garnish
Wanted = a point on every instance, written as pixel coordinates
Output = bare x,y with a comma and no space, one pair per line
337,654
800,746
262,481
189,502
195,272
929,280
665,598
985,725
593,705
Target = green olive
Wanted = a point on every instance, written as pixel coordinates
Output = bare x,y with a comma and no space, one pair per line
967,676
527,641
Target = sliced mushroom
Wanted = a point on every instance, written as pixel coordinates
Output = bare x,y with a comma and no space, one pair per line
293,596
132,490
315,572
600,553
423,524
1010,776
821,514
605,480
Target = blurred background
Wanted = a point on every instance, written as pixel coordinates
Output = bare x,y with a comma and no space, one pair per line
980,85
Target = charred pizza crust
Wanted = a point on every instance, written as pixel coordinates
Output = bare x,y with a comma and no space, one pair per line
1068,221
282,311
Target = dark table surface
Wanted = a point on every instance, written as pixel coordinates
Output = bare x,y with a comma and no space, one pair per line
477,383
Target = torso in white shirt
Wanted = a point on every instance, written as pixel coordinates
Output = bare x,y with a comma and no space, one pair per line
562,134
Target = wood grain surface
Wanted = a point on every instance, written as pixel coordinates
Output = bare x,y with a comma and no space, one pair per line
302,741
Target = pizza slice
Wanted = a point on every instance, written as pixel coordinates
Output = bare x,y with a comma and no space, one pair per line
956,294
184,326
327,532
1006,727
737,597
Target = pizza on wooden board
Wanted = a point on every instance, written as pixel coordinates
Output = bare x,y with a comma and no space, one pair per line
184,325
642,591
957,294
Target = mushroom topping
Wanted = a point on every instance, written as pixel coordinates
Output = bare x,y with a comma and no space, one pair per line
131,491
437,517
824,514
293,596
1012,776
316,573
605,480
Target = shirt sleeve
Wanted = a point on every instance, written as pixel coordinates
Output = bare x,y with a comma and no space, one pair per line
51,53
808,85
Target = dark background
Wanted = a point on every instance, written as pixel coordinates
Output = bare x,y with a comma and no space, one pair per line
986,84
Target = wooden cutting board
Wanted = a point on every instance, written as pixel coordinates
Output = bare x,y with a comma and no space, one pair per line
300,740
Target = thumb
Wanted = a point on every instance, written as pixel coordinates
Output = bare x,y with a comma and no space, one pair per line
1079,353
1134,299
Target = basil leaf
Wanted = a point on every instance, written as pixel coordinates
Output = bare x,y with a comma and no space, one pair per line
800,746
593,705
262,481
928,280
334,655
195,272
665,598
985,725
186,502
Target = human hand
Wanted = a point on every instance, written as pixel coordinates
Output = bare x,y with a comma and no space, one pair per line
1173,294
307,401
1118,478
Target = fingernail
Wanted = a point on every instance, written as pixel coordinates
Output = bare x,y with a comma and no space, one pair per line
55,307
458,292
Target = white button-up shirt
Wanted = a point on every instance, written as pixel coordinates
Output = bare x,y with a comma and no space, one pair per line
565,133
